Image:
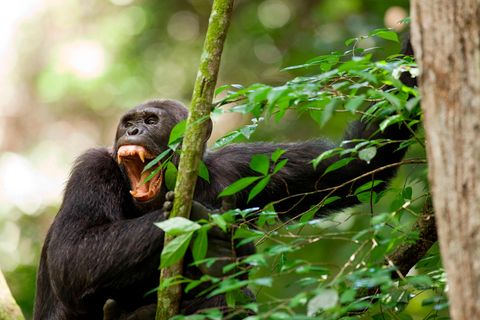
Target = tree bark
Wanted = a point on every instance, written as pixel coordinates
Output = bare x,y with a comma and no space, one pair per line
446,40
196,135
9,310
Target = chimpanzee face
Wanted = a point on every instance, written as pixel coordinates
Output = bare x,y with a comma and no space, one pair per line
143,134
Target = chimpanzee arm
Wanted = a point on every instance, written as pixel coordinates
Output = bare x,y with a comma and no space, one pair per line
96,247
299,176
99,247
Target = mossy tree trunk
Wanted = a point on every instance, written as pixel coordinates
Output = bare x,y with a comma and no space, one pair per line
198,129
446,39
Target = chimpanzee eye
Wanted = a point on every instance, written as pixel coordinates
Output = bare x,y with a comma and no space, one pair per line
128,124
151,120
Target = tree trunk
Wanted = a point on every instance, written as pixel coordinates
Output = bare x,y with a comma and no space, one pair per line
446,40
9,310
193,145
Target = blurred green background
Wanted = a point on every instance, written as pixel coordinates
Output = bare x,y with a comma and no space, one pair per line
69,68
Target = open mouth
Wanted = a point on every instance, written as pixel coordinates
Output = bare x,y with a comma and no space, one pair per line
134,158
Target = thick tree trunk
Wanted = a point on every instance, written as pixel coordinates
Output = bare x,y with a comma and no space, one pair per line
446,40
9,310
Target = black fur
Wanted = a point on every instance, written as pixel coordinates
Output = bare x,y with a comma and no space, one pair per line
103,244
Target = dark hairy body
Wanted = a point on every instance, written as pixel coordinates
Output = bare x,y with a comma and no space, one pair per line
103,243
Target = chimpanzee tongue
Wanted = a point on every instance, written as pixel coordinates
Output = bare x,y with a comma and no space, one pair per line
141,190
133,158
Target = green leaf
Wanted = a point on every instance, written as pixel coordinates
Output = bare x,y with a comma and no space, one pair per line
267,216
260,163
280,165
156,160
153,173
393,99
244,233
421,282
227,285
328,111
219,221
348,296
367,154
221,89
354,103
390,120
380,219
265,282
308,215
379,252
177,132
259,94
247,130
203,171
177,226
364,75
277,154
200,244
406,20
258,188
339,164
365,197
367,186
230,299
348,42
238,186
407,193
331,199
386,34
175,249
325,155
170,176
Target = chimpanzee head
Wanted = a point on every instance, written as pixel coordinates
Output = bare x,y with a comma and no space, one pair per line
143,134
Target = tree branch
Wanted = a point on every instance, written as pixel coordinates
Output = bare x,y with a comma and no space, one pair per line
198,129
407,255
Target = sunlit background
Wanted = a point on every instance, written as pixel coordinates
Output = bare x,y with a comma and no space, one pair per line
69,68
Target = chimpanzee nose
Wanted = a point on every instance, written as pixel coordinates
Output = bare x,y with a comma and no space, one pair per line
133,131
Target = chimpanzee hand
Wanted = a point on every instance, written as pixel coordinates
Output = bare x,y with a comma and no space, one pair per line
220,244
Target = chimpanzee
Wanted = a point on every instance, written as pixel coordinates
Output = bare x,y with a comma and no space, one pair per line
103,244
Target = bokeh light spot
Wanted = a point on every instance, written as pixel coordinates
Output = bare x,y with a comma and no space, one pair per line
267,52
274,13
84,58
183,26
392,18
121,2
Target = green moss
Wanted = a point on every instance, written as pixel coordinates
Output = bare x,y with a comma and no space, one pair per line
195,136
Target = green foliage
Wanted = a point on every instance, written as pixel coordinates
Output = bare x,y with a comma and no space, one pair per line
174,141
265,166
148,55
364,284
